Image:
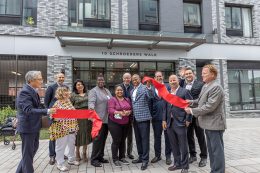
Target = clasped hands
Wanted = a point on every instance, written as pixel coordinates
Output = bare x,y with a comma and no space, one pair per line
124,112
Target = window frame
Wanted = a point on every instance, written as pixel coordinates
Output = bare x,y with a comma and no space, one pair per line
240,83
90,22
10,19
193,28
146,25
238,32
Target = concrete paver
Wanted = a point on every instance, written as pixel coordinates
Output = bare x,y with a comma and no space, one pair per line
242,152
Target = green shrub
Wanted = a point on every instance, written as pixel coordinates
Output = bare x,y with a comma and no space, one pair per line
6,112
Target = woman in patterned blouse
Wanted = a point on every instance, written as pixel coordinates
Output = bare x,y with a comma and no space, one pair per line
64,130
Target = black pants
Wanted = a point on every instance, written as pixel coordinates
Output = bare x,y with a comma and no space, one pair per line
52,144
201,139
142,137
52,152
178,139
157,130
118,133
99,142
129,143
30,145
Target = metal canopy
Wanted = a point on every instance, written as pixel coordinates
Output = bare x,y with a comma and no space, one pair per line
108,37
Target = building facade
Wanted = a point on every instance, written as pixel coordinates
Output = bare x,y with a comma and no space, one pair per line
85,38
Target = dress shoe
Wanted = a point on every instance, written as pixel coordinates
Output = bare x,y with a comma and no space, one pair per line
103,160
203,162
144,166
156,159
173,168
130,156
168,161
52,161
117,164
137,161
96,164
123,161
184,171
192,159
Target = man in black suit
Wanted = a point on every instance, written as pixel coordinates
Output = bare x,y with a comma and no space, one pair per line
195,86
49,100
29,119
127,87
158,109
176,122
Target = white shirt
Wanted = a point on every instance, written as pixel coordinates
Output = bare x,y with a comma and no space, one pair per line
189,85
174,93
135,92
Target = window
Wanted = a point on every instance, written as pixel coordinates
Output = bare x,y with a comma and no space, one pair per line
12,73
114,70
238,21
17,12
244,89
30,12
192,17
94,13
149,15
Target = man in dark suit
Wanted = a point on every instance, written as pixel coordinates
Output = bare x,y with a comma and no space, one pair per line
158,109
141,96
29,119
49,100
176,122
195,86
210,112
127,87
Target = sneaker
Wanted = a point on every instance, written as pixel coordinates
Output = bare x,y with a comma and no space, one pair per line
117,164
124,162
76,163
62,168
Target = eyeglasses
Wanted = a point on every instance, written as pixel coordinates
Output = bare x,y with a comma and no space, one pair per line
40,79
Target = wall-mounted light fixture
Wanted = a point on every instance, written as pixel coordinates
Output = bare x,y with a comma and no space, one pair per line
16,73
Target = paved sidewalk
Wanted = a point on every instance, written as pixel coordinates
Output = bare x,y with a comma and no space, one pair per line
242,151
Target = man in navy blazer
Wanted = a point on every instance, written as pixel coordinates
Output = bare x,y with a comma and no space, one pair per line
158,109
49,101
141,96
29,119
195,86
176,122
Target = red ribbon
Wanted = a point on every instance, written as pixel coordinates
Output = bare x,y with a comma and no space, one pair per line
81,114
164,93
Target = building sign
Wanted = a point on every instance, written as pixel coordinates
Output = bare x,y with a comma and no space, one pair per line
129,54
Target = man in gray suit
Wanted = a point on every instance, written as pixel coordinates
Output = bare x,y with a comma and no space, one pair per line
211,117
141,96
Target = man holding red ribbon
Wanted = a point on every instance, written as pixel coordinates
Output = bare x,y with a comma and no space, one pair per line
176,122
141,96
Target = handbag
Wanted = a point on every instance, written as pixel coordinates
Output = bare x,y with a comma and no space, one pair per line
45,122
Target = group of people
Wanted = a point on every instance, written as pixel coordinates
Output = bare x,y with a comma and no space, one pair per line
134,106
